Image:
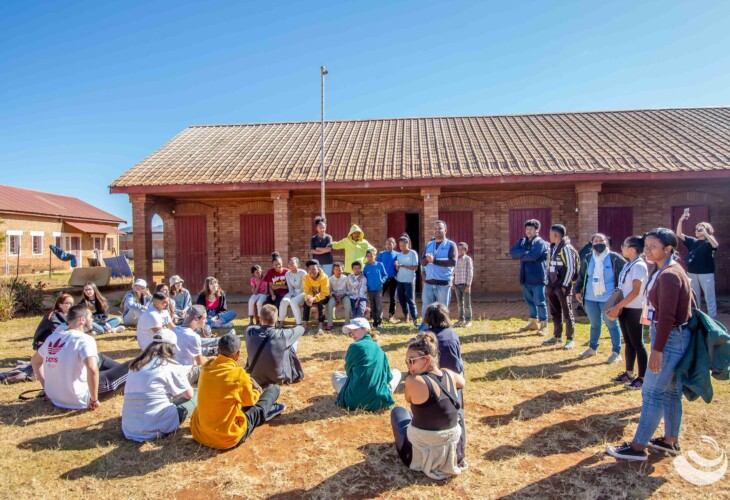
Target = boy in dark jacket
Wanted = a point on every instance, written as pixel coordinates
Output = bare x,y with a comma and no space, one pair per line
559,291
532,251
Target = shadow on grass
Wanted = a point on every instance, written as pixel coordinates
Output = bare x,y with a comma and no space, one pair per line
569,436
321,407
380,472
35,411
485,355
493,336
590,478
541,371
126,458
546,403
324,356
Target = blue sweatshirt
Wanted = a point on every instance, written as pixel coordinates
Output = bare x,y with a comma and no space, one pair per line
388,260
376,276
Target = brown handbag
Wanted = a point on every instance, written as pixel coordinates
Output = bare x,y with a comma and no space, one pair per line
616,297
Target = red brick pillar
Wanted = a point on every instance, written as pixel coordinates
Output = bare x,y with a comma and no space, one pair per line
281,223
430,212
143,209
587,205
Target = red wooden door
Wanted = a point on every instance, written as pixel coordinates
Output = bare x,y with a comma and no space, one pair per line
256,232
518,217
396,224
617,223
191,250
697,213
338,225
460,227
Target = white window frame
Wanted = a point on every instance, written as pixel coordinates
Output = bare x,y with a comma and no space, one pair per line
57,238
33,236
67,248
109,247
10,233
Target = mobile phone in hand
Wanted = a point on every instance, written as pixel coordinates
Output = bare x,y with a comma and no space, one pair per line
686,212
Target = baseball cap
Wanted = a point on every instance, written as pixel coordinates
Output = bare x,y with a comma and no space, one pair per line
140,282
355,324
165,336
174,280
195,312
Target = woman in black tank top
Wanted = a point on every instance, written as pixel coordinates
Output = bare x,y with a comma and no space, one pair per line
432,394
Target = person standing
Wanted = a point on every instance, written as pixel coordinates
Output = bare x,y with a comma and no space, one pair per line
701,262
667,309
357,291
376,276
406,265
355,246
597,279
388,258
321,245
463,277
532,252
562,272
438,259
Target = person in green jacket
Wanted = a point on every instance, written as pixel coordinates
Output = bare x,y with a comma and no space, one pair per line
367,382
355,246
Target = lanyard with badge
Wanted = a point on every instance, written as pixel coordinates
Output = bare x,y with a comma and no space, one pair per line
626,270
647,310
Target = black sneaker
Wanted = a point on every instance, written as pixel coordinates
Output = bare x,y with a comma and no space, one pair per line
622,378
626,452
276,410
551,341
660,445
636,384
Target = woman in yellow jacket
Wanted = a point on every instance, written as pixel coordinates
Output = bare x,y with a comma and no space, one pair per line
316,292
355,246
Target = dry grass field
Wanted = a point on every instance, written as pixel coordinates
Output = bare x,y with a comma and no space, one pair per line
538,420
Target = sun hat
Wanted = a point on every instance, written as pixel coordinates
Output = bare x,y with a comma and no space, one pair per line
140,282
174,280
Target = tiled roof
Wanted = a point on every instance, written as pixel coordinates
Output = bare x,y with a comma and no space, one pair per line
27,201
662,140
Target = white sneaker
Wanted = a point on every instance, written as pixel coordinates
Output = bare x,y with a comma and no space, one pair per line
614,358
118,329
588,353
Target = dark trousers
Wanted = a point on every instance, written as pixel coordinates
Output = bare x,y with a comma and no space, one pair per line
112,375
407,302
390,286
376,306
321,305
630,322
358,307
561,310
256,414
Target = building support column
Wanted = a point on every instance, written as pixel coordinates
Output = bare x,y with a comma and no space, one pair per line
281,223
430,212
143,209
587,206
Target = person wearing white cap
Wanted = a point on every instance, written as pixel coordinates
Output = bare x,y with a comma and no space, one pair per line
367,382
181,297
158,396
137,300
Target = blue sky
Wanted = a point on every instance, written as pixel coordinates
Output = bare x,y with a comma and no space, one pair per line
90,88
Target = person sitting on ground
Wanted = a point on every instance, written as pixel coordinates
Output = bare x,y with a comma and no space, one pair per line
230,403
339,288
295,295
54,320
276,280
376,276
355,246
181,298
316,292
99,308
71,370
259,294
463,276
272,352
154,319
427,439
158,396
164,289
136,302
358,291
388,257
367,382
213,298
191,349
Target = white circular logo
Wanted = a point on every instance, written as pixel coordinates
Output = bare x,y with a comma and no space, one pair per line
711,471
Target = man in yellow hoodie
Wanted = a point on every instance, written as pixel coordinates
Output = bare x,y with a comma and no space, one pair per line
355,246
316,291
230,403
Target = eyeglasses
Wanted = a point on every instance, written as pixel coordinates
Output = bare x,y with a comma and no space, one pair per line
410,361
67,303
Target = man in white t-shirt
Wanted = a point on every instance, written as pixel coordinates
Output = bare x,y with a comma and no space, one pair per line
189,343
71,370
153,320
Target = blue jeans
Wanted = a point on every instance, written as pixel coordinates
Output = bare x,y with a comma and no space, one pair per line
596,313
358,306
406,299
223,317
327,268
435,293
113,322
535,297
661,393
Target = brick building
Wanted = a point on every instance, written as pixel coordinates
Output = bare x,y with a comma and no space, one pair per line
126,242
229,195
33,220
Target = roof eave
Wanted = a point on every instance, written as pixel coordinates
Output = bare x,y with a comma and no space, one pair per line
115,220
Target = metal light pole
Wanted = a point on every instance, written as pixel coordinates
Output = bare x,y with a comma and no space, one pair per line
323,72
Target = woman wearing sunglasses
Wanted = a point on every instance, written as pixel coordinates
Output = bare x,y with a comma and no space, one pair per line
427,439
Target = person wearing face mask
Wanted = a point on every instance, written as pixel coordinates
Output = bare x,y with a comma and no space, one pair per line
597,279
